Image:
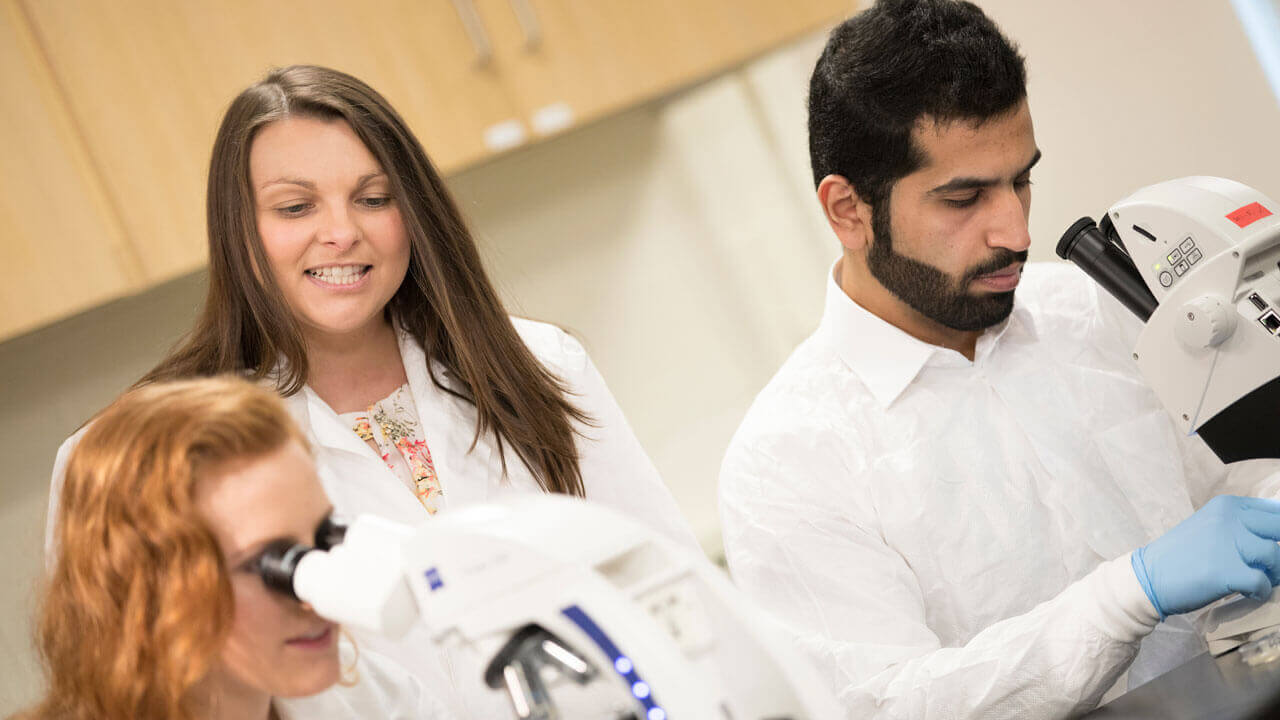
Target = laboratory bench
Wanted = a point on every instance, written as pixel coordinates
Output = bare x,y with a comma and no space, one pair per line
1221,688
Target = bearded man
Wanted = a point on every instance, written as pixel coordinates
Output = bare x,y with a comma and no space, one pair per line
958,491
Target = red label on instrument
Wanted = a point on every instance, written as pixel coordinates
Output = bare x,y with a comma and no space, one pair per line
1248,214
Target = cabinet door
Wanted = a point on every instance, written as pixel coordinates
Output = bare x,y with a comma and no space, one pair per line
60,244
548,62
148,81
592,57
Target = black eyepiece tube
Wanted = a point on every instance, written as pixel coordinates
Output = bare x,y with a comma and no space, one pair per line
1086,246
330,533
277,564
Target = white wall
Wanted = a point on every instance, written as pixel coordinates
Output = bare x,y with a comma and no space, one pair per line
54,379
680,241
1125,94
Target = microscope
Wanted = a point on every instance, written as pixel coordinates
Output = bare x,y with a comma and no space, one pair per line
1198,260
566,600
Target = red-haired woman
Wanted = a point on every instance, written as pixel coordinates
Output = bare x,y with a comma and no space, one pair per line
154,609
342,273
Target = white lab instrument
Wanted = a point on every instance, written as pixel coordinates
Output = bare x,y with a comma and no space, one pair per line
1196,258
1240,620
561,595
1199,260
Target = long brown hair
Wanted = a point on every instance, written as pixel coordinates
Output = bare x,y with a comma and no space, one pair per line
446,301
138,603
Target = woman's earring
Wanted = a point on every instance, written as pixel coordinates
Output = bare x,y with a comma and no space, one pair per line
350,671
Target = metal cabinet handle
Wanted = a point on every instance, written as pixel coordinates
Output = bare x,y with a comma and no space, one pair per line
528,19
475,30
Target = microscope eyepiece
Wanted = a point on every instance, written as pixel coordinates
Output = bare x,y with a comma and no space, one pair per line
279,560
331,532
1067,243
1101,255
278,563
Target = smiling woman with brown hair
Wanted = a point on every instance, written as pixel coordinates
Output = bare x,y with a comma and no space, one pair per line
330,231
154,608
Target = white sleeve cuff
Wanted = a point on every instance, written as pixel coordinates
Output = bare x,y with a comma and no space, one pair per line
1120,607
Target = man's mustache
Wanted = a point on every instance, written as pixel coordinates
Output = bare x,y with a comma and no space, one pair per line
1002,259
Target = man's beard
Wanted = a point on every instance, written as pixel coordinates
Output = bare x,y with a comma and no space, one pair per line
931,292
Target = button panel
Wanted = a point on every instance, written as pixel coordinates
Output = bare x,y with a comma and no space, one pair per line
1180,260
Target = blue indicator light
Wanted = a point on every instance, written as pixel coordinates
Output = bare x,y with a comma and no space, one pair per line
624,665
433,579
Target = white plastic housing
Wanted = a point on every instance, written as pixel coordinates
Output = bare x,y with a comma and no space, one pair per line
360,583
692,636
1234,251
478,575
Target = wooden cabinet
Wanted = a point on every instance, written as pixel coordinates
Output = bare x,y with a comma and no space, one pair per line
128,93
567,62
63,248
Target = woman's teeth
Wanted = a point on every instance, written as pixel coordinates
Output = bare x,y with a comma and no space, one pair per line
340,274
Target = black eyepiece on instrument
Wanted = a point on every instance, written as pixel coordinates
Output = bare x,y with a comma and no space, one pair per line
277,564
330,533
1102,256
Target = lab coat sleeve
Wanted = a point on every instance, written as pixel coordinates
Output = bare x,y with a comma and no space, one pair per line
1209,477
855,606
55,492
616,471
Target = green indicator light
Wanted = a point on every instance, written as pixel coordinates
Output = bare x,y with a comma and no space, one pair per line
1157,267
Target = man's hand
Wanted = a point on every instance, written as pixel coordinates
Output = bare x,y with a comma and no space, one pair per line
1228,546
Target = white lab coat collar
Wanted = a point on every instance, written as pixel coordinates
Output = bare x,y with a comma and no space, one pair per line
886,358
466,474
441,413
328,428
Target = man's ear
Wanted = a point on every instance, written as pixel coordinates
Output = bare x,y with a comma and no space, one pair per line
848,214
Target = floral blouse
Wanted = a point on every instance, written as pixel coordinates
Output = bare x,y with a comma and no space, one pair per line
391,425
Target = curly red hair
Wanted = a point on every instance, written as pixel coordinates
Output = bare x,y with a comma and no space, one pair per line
138,603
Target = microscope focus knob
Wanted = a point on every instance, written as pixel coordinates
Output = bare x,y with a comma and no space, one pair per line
1205,322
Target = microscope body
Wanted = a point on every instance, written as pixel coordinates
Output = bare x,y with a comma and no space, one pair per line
566,599
1206,251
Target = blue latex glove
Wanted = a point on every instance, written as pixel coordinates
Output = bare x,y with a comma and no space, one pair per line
1228,546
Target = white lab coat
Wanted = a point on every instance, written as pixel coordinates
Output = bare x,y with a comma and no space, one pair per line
950,538
382,691
615,472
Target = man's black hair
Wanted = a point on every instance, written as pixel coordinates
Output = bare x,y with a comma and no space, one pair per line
893,64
